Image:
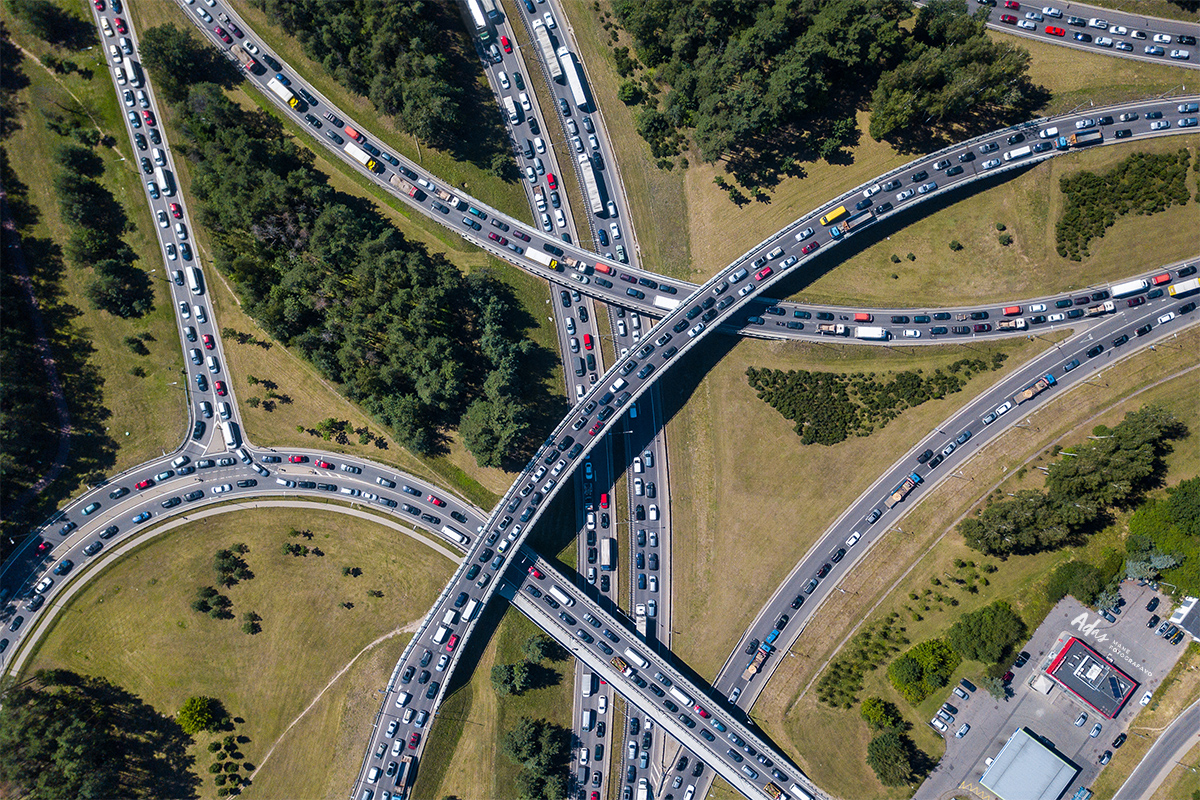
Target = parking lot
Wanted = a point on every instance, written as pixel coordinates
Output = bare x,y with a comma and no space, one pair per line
1127,644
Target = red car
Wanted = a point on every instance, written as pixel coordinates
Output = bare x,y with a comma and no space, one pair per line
208,342
119,24
324,464
506,44
762,273
149,117
224,36
437,501
146,484
219,386
700,711
1053,31
176,211
536,573
1013,4
604,499
1008,19
592,431
452,643
808,248
551,181
236,30
587,341
414,740
495,237
45,546
1135,301
297,459
99,4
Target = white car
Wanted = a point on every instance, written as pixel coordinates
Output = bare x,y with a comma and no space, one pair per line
546,226
1102,24
1003,409
539,145
1154,50
583,755
871,190
1104,41
1146,698
225,487
938,725
990,163
524,98
593,141
804,234
653,584
162,219
1165,318
603,703
1160,124
170,248
1027,25
1037,308
853,540
616,230
1162,38
1034,15
559,219
1050,11
503,78
1119,30
591,520
550,23
1125,46
912,333
1137,34
128,98
1182,55
251,47
907,193
1084,123
531,175
1056,317
47,582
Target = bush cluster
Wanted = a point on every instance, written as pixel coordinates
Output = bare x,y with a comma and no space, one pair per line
843,678
1114,469
1144,183
828,407
1164,539
924,669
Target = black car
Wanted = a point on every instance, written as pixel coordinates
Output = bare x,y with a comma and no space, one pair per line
1016,137
899,319
919,176
824,315
1095,351
837,555
921,459
1120,340
824,570
1153,604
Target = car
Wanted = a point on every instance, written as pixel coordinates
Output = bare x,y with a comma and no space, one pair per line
1028,25
1120,740
907,193
413,740
1083,37
1054,30
506,44
962,731
1154,50
1106,757
1095,351
961,694
873,516
1146,698
1160,124
991,163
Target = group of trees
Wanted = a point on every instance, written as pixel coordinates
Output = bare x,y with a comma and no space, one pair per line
544,750
890,753
743,77
1143,183
871,647
989,634
829,407
1164,539
66,735
401,56
420,346
96,222
529,673
1112,469
924,669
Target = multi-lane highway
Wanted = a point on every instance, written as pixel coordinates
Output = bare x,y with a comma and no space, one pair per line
542,479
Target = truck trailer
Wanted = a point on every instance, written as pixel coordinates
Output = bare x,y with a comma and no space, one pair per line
864,217
871,332
284,94
406,187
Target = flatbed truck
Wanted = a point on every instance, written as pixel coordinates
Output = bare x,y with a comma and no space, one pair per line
1080,139
831,329
902,489
1034,389
1012,324
850,223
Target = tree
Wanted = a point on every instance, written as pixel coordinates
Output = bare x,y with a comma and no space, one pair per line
988,634
176,61
888,754
502,679
880,714
1079,579
994,686
196,715
540,647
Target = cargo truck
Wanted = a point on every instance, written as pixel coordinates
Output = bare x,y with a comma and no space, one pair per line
284,94
760,657
870,332
514,116
539,197
643,790
1187,287
830,329
1011,324
902,489
543,259
245,59
1128,288
1020,152
404,776
1034,389
1080,139
442,194
1103,308
361,156
850,223
406,187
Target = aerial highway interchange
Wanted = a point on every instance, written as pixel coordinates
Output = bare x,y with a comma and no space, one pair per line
672,317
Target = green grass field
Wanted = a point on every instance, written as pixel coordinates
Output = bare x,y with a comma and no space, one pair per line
471,724
138,417
134,625
881,583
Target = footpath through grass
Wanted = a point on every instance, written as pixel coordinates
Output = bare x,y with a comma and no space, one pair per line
134,625
119,419
820,737
464,757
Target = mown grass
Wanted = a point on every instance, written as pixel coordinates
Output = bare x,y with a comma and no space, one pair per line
133,625
465,758
138,417
820,737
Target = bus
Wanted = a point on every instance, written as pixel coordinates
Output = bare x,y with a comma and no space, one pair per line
561,596
1187,287
608,547
834,216
166,181
195,281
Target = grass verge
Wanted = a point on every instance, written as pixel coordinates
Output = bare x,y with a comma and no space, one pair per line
472,722
820,737
134,625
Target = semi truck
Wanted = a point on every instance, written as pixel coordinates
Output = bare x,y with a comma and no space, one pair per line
362,156
404,776
542,34
831,329
1187,287
1034,389
245,59
870,332
850,223
543,259
450,199
1020,152
608,560
406,187
574,75
1128,288
1011,324
1104,308
591,184
1080,139
284,94
902,489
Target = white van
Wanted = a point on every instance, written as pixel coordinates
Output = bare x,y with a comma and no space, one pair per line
212,365
441,635
450,618
469,612
561,596
619,385
774,254
402,699
1048,133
